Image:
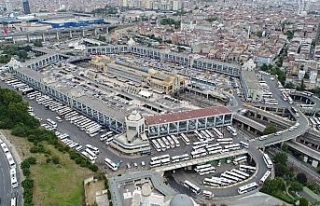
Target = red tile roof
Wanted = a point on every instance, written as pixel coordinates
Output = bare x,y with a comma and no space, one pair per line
185,115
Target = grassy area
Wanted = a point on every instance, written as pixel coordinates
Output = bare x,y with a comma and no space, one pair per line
284,196
59,185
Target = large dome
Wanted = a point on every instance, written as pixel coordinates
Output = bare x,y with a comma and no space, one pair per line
181,200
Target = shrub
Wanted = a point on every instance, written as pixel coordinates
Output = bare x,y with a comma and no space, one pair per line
48,160
31,160
55,160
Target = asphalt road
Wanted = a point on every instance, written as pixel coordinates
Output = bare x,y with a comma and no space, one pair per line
5,182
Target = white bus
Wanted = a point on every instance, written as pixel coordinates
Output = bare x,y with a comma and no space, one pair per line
93,149
217,133
175,139
185,139
192,187
162,145
241,173
87,155
91,153
13,201
239,159
214,150
198,153
225,140
208,146
230,177
156,145
194,148
267,160
264,177
111,164
209,133
247,188
166,142
179,158
207,194
206,171
232,130
226,181
11,161
203,133
312,121
199,167
109,140
169,138
159,160
214,181
236,175
52,123
232,147
199,136
247,168
244,144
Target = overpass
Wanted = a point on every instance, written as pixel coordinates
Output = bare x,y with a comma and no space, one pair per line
315,155
313,101
251,123
200,160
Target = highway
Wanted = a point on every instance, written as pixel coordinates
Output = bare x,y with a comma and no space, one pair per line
5,182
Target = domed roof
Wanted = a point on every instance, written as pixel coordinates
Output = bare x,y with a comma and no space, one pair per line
134,116
181,199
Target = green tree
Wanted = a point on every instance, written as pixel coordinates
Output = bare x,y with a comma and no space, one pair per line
280,158
102,38
271,128
37,43
296,186
259,33
55,160
302,178
290,34
303,202
289,85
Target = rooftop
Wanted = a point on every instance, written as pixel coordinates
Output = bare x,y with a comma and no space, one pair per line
192,114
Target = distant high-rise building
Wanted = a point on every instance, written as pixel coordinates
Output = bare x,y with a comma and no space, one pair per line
26,7
8,6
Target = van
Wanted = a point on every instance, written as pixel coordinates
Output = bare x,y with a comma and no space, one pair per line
263,137
277,134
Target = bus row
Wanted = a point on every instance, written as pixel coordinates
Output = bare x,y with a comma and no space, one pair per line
204,135
315,120
89,126
166,142
209,149
12,164
18,85
227,178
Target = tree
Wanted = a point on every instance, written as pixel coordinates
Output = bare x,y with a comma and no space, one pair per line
289,85
296,186
290,35
304,202
101,38
302,178
37,43
271,128
55,160
280,158
259,33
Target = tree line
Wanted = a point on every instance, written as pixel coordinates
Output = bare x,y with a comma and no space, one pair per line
15,117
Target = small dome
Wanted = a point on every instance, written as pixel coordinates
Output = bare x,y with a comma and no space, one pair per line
134,116
181,199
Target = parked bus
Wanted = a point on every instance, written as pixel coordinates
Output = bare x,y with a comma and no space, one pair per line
244,144
179,158
199,136
13,201
185,139
294,110
207,194
247,168
159,160
235,175
172,143
267,160
199,167
93,149
198,153
156,145
241,173
162,145
247,188
225,140
111,164
175,139
230,177
205,134
232,147
232,130
52,123
239,159
166,142
214,150
217,133
206,171
87,155
192,187
264,177
214,181
209,133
